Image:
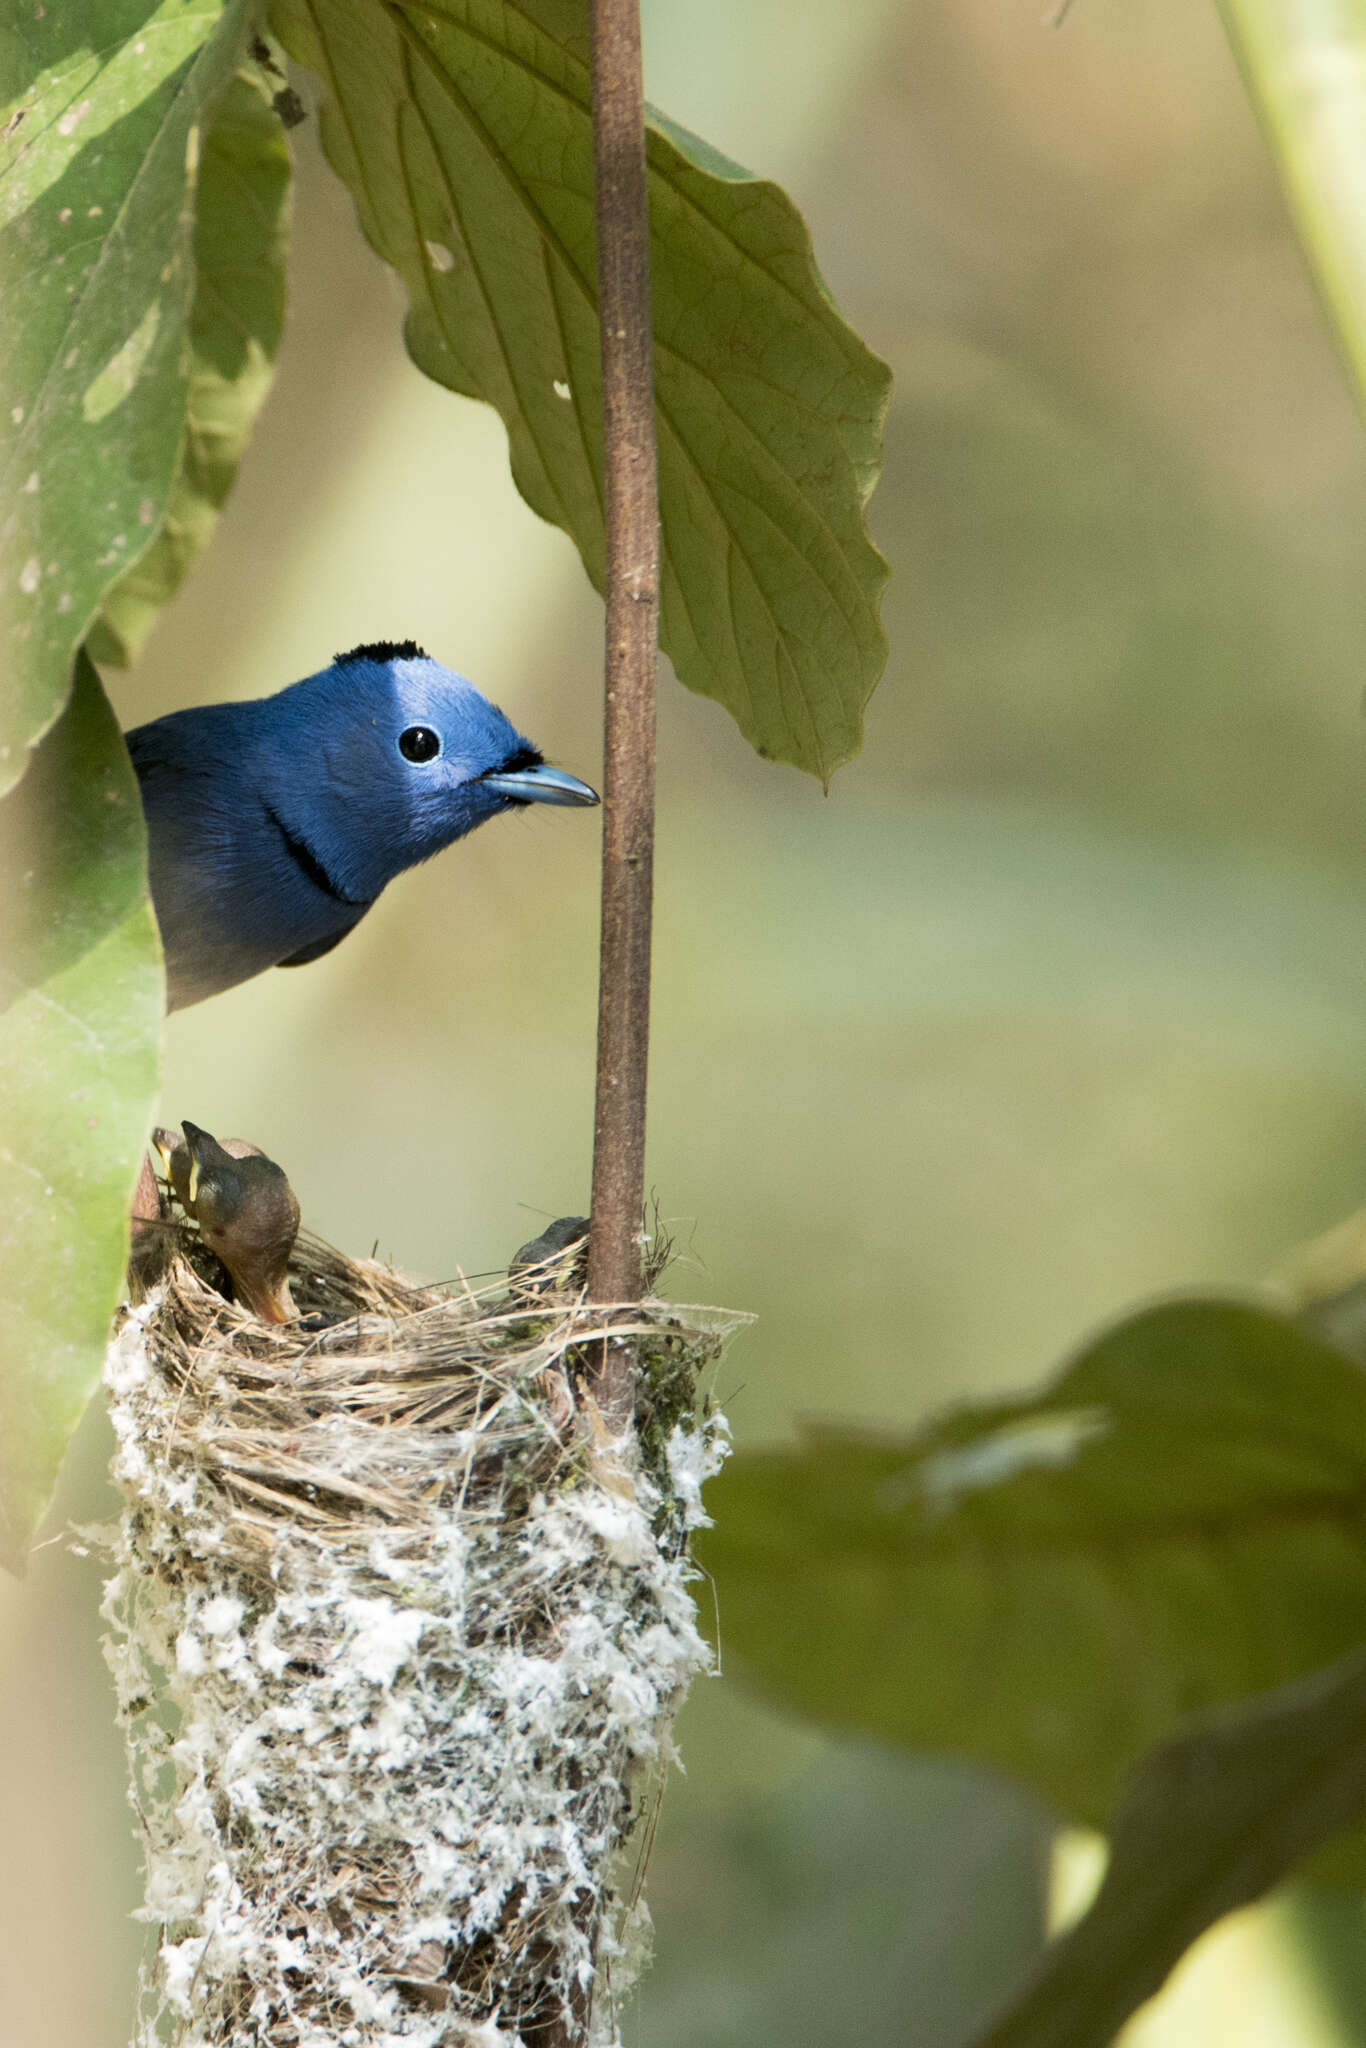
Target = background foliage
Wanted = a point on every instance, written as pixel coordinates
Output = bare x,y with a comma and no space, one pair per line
944,1081
144,195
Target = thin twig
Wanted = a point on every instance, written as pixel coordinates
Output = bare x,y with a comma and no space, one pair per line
632,524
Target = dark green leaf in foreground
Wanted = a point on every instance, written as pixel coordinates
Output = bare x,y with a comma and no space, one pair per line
1211,1820
102,109
241,212
463,131
1050,1586
81,997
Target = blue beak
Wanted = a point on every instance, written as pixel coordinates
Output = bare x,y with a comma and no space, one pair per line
540,785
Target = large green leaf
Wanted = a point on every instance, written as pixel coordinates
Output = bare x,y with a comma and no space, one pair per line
81,997
1212,1820
463,131
102,109
1304,62
241,214
102,114
1049,1586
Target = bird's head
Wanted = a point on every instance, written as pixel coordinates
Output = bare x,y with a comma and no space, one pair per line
386,757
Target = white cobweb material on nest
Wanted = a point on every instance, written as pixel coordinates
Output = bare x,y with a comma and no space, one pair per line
386,1737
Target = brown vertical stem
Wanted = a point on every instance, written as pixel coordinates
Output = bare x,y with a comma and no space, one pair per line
632,522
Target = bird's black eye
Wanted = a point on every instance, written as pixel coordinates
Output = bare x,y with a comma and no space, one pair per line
419,743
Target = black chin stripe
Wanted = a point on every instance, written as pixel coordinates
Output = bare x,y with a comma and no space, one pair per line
308,863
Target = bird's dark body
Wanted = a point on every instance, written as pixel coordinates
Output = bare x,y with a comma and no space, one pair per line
274,824
235,891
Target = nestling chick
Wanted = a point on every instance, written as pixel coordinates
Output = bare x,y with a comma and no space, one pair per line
535,1266
273,825
246,1210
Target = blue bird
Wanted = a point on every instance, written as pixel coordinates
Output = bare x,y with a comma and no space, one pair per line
274,824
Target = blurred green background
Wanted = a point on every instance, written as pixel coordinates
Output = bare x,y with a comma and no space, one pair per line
1053,1004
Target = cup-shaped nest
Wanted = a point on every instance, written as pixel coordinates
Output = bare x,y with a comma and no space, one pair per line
399,1628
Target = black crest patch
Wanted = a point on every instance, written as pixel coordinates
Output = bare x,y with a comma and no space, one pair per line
383,650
